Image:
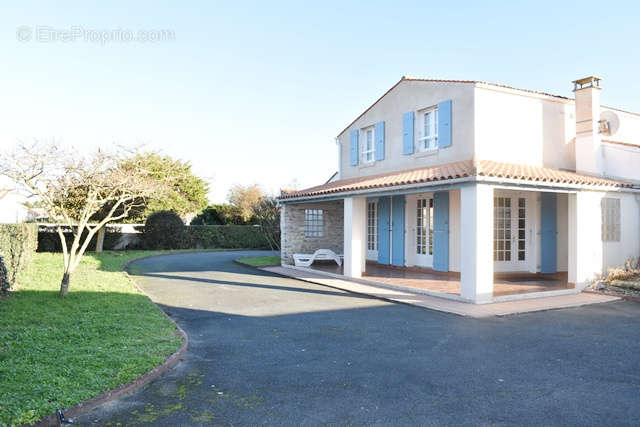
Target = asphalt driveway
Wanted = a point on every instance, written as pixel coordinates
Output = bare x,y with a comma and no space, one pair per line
271,350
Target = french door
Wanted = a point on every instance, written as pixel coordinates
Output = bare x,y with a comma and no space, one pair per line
510,232
423,243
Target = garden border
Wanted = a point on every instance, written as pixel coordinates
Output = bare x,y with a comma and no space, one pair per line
170,362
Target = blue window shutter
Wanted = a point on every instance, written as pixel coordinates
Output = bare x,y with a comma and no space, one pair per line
441,231
379,133
353,147
384,225
407,132
444,124
397,230
549,234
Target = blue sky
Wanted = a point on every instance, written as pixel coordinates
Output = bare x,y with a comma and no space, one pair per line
255,92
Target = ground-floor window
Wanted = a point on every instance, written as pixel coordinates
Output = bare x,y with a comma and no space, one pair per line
509,225
313,222
502,229
372,226
424,227
610,208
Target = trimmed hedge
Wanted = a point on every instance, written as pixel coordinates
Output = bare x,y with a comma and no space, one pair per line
223,236
18,243
193,237
49,241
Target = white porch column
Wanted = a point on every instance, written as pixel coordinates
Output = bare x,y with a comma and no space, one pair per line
476,235
584,235
355,236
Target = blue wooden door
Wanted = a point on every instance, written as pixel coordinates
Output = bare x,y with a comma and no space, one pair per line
384,225
441,231
549,235
397,233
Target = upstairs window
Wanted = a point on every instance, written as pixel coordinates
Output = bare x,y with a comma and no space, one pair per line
313,223
610,219
428,129
368,145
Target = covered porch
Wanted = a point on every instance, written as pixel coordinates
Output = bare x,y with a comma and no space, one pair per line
476,242
435,283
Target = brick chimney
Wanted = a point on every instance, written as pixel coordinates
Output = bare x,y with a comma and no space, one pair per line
588,140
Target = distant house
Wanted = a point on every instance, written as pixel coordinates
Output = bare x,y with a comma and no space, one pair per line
11,208
476,191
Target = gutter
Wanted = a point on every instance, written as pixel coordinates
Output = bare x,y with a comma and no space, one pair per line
443,184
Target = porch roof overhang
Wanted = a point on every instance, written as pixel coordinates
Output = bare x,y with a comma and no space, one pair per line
459,173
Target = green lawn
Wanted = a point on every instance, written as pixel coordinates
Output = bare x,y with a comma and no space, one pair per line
56,352
260,261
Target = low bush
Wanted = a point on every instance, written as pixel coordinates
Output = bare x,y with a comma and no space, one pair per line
163,230
18,243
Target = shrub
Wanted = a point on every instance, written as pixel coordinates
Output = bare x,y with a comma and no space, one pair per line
4,275
224,236
219,215
49,241
163,230
18,242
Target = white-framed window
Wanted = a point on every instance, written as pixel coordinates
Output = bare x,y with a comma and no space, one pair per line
424,227
313,223
610,219
368,146
372,226
428,131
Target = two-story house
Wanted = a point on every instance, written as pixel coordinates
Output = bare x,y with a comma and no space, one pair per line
477,191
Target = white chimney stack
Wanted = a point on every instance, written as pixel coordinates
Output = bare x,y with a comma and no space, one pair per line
588,140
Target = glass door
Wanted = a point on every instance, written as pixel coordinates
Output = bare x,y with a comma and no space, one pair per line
510,224
423,244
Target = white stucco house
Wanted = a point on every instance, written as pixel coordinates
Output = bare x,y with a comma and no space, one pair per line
476,191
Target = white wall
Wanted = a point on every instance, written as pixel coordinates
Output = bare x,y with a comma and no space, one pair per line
454,230
621,162
589,256
516,128
614,254
413,96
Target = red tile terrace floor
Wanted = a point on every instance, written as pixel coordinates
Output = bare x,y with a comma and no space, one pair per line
449,283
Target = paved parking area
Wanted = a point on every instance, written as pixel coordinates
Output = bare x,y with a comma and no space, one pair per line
278,351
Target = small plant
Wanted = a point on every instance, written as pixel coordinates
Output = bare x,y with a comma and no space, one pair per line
163,230
4,277
630,270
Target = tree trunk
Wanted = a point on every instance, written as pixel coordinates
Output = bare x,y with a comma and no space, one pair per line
100,240
64,285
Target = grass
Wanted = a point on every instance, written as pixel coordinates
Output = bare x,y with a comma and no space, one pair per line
260,261
57,352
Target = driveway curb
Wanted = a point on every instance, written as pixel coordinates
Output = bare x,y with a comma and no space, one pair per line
170,362
613,294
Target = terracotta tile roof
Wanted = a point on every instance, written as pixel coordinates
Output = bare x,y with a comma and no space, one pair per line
627,144
450,171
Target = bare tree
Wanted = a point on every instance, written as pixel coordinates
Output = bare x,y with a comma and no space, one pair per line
267,213
245,198
75,189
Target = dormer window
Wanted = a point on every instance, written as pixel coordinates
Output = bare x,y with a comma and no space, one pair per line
428,129
367,154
